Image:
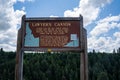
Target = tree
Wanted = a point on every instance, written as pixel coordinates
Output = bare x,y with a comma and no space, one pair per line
102,76
118,50
114,51
1,50
93,51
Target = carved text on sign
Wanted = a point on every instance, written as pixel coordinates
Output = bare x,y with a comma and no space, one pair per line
36,24
53,41
52,30
52,34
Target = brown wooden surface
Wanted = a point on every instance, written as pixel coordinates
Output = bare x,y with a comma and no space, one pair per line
19,53
84,58
53,33
17,67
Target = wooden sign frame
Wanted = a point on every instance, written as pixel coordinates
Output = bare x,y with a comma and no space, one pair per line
78,34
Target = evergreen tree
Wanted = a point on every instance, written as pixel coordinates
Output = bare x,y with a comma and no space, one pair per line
102,76
114,51
61,66
1,50
94,51
118,50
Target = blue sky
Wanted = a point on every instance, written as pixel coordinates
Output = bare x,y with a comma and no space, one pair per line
47,8
101,19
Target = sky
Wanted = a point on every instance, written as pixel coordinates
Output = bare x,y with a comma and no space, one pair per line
101,19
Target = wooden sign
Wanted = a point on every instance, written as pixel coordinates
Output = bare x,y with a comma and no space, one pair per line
52,33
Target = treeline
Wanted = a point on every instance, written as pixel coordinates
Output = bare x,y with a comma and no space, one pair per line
104,66
57,66
7,65
60,66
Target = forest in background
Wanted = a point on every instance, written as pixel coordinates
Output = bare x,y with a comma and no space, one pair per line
61,66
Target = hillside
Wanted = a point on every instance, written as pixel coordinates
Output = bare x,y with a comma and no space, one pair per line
61,66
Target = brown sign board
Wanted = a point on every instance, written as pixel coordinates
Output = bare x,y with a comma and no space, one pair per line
52,33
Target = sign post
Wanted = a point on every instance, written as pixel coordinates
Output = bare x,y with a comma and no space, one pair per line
51,34
84,58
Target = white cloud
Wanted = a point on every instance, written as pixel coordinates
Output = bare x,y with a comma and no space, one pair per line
90,9
117,34
8,47
26,0
53,16
106,24
98,39
9,19
102,44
